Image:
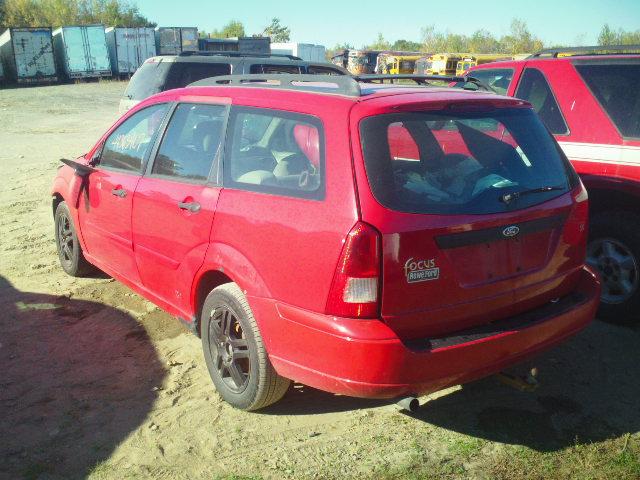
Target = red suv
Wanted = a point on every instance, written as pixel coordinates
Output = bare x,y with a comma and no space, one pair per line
368,240
591,104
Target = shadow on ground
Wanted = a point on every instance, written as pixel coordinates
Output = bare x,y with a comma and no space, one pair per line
77,378
589,391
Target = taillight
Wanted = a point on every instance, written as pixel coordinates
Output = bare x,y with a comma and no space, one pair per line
577,226
355,288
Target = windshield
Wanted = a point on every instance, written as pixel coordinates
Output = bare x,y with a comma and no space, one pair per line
462,163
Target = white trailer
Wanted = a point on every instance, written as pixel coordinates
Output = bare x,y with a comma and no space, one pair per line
81,51
27,55
129,48
175,40
306,51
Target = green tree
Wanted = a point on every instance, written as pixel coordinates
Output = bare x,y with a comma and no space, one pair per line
234,28
520,40
34,13
277,32
406,46
379,44
607,36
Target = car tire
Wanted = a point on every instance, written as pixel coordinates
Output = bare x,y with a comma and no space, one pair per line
69,249
234,351
614,250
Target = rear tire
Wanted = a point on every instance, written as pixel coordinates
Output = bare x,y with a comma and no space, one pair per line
234,351
69,250
614,250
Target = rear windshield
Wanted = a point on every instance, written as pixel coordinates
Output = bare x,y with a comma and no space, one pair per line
616,88
462,163
156,77
148,80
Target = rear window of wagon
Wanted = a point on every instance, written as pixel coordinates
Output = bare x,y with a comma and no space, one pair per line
462,162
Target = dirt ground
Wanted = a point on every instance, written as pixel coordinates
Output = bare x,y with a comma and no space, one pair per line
97,382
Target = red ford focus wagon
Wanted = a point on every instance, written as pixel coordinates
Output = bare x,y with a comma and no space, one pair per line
368,240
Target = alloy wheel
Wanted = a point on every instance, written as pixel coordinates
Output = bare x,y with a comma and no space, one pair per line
618,268
230,349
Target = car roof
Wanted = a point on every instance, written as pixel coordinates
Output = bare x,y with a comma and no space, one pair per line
258,59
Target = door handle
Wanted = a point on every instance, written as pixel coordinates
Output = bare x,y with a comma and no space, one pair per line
193,207
119,192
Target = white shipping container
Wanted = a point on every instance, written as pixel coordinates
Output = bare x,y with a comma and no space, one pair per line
27,55
129,48
306,51
81,51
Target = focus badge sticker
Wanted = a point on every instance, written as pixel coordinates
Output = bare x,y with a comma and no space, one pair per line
421,270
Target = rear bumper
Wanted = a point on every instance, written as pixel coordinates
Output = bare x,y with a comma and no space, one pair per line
364,358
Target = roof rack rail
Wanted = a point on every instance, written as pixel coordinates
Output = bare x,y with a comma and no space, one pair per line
347,85
593,50
339,84
222,53
425,79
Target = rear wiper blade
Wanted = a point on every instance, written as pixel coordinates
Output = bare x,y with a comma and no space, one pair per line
509,197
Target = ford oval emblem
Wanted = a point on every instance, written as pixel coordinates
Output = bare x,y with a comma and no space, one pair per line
511,231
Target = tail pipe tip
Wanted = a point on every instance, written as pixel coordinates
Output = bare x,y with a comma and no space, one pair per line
409,404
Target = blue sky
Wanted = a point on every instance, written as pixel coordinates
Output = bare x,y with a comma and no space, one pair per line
329,22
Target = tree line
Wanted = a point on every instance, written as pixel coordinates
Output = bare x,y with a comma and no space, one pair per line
36,13
41,13
518,40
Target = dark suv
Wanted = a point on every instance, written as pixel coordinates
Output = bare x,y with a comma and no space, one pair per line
166,72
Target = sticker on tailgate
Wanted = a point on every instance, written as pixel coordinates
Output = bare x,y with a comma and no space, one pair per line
421,270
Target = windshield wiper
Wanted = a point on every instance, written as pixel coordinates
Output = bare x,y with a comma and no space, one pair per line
509,197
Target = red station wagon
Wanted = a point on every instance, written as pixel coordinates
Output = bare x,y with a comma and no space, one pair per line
369,240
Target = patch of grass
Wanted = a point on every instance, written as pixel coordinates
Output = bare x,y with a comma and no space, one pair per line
617,459
465,446
33,471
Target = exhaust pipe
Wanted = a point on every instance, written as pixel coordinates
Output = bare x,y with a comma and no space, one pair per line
409,404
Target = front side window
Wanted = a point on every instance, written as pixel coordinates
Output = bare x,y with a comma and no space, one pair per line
615,86
462,163
127,146
191,142
274,69
535,89
497,78
275,152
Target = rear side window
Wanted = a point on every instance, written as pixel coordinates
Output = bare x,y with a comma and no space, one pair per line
535,89
275,152
615,86
148,80
497,78
462,163
275,69
127,146
183,74
191,142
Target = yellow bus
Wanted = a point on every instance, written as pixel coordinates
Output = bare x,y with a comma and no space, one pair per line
438,64
469,61
395,64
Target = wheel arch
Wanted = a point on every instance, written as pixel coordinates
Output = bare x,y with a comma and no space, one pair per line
612,194
224,264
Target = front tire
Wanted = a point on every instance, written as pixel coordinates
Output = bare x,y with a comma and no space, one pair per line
235,354
69,250
614,250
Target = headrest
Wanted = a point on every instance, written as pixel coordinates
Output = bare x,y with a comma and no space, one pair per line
308,140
